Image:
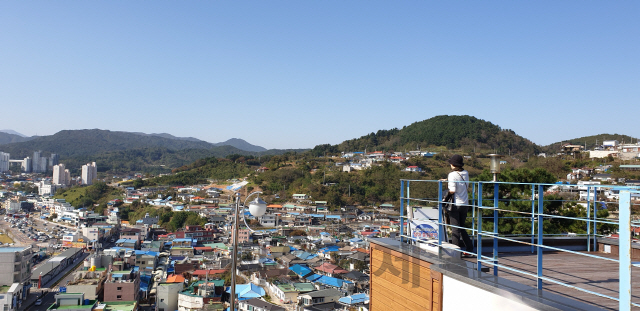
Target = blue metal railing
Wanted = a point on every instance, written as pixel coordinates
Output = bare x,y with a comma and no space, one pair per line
486,196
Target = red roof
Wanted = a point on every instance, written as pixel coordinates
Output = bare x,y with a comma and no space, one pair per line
175,279
204,272
203,248
330,268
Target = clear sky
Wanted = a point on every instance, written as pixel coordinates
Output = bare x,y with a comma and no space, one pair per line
294,74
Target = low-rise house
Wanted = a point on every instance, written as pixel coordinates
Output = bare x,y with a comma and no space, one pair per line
122,286
255,304
278,251
11,296
199,294
90,283
330,269
355,302
286,293
268,220
72,302
319,296
167,296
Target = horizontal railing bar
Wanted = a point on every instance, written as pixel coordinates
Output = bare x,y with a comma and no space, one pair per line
489,262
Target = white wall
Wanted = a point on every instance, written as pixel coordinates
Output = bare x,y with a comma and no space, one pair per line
457,295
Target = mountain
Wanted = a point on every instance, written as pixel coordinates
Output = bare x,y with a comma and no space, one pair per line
165,135
13,132
69,143
241,144
7,138
465,133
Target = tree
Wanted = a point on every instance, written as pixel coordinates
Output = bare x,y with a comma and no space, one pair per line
298,233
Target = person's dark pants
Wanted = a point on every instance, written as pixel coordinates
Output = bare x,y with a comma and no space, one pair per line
459,236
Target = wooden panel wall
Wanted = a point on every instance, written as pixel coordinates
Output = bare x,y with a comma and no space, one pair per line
401,282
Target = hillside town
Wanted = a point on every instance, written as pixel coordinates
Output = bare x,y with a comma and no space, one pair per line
302,254
301,258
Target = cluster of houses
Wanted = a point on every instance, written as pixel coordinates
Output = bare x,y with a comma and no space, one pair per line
303,258
186,269
354,161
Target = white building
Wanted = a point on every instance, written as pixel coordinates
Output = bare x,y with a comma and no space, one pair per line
10,299
61,176
45,187
26,165
4,162
89,173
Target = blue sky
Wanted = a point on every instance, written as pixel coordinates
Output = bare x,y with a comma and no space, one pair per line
294,74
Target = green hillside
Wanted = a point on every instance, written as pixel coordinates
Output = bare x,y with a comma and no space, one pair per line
591,141
453,132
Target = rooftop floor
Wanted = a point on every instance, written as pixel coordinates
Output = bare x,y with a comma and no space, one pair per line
596,275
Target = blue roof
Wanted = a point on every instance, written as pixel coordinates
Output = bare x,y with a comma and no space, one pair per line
65,218
333,217
354,299
325,233
356,240
327,280
248,291
300,270
332,248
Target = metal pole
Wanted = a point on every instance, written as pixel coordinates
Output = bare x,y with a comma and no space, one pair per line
479,247
495,226
533,211
624,270
441,229
234,255
401,210
588,219
540,234
595,219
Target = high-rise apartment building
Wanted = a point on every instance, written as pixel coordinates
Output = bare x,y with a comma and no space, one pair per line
39,163
4,162
26,165
54,159
89,173
61,176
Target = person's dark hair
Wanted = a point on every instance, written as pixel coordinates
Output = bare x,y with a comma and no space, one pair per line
456,160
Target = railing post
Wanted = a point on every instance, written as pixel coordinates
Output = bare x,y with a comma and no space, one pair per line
479,248
495,227
595,219
401,210
540,235
473,215
440,218
624,238
588,219
533,212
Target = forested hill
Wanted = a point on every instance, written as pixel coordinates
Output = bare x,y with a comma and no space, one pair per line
70,143
7,138
592,141
77,143
454,132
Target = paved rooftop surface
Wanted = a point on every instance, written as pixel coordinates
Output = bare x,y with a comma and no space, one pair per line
596,275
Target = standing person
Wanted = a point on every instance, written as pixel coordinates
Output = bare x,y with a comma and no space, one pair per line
458,187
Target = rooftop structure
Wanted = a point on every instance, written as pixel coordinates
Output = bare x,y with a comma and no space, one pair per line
526,266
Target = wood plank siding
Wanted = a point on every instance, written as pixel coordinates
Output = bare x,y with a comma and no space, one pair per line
401,282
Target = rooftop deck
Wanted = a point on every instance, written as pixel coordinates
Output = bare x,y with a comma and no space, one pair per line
599,276
521,230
